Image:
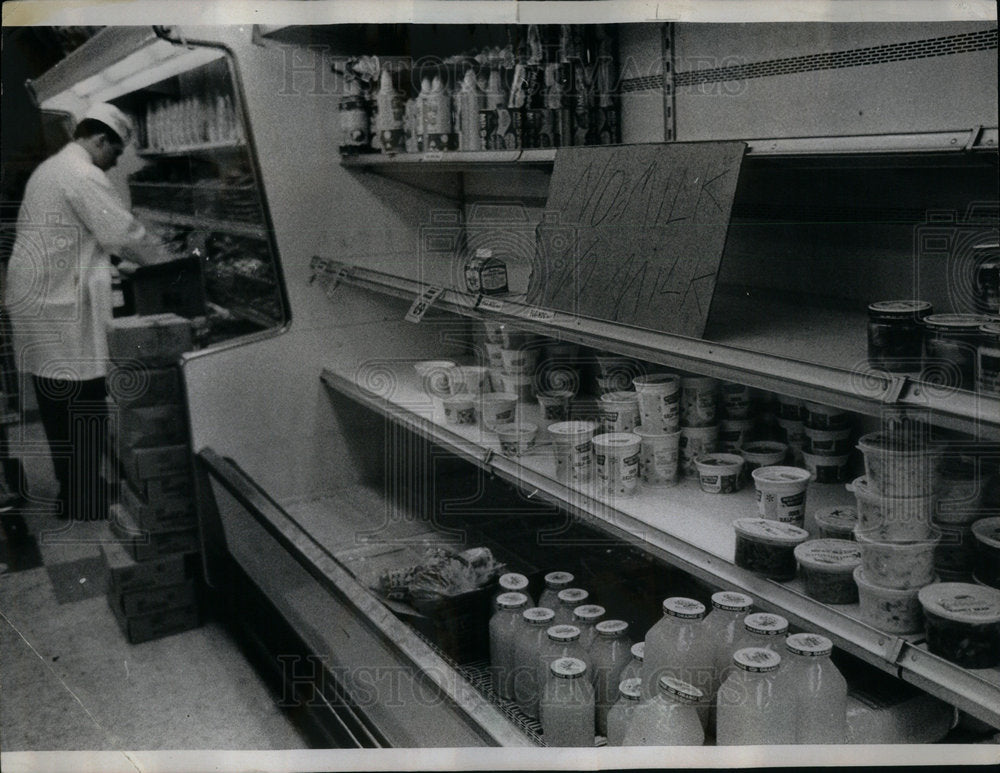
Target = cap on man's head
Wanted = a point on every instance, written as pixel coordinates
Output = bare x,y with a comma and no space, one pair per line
113,118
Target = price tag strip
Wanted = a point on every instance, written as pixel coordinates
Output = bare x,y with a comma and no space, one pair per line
422,303
489,304
329,272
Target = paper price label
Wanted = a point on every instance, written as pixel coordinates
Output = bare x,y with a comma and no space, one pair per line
332,281
541,315
490,304
423,303
434,155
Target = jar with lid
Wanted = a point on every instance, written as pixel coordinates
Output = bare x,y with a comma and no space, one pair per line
610,653
633,670
512,582
988,359
620,716
586,617
722,625
503,626
528,643
762,629
670,718
950,348
819,688
567,706
554,582
562,641
678,646
895,334
754,707
566,601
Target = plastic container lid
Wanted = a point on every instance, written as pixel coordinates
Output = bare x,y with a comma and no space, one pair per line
511,600
780,474
764,448
575,596
686,609
631,689
589,612
880,443
572,428
771,532
620,397
538,615
568,668
962,602
830,555
512,581
900,309
675,688
842,518
720,460
765,624
558,579
639,650
757,659
612,440
563,633
656,379
957,323
987,531
731,601
611,628
809,644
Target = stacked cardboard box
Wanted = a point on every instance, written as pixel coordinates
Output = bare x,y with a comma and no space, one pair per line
153,587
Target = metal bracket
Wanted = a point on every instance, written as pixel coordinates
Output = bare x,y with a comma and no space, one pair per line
974,136
895,390
892,646
488,456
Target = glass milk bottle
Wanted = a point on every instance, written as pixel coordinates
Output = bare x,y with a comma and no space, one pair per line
567,705
554,582
724,624
566,601
819,688
754,708
503,626
678,646
634,667
762,629
620,716
528,644
512,582
562,641
609,654
670,718
585,617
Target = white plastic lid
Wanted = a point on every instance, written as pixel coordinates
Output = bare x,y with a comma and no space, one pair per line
902,308
558,579
720,460
841,517
765,624
572,596
563,633
683,691
616,440
568,668
686,609
512,581
833,555
588,612
987,531
538,615
779,473
639,650
512,600
809,645
611,628
620,397
757,659
731,601
962,602
772,532
571,427
631,689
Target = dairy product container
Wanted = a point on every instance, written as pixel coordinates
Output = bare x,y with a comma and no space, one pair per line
888,609
900,565
766,547
836,522
962,622
827,568
719,473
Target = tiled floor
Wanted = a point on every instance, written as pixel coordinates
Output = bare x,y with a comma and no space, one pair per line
69,679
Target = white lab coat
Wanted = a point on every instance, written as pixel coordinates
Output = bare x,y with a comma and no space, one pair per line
58,285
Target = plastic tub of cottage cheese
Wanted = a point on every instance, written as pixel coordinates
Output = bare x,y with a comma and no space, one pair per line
987,564
827,568
496,408
516,438
762,453
436,376
719,473
825,416
767,547
836,522
891,519
827,469
900,565
832,442
616,460
781,493
888,609
963,623
899,467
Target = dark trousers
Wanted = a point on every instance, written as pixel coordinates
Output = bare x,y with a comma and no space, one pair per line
76,420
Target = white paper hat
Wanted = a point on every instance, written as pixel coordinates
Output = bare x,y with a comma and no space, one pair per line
113,118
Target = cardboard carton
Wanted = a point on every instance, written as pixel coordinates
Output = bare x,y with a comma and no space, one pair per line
144,386
165,514
159,462
150,600
154,340
126,574
156,625
145,545
153,425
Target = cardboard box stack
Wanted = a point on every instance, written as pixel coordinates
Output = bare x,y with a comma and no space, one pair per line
153,558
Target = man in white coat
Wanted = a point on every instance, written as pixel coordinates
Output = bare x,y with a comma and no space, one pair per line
58,294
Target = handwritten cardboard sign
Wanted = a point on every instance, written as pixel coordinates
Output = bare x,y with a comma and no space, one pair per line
635,233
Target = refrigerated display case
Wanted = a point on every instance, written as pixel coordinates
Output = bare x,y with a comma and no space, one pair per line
323,460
